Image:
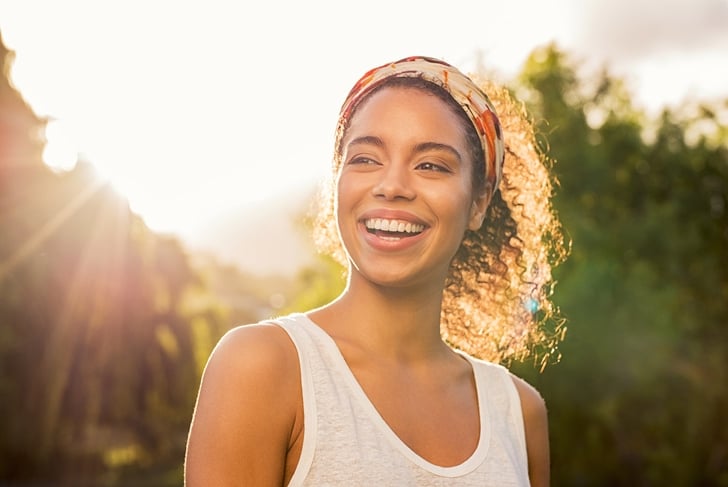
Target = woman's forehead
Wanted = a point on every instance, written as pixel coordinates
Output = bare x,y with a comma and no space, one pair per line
419,109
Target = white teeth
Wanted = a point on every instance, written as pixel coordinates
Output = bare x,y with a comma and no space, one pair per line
393,225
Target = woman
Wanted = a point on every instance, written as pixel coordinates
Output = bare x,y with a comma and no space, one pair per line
448,257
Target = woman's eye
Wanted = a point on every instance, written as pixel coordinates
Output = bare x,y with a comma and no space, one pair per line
431,166
362,160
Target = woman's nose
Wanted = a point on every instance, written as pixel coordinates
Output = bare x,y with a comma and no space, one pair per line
394,183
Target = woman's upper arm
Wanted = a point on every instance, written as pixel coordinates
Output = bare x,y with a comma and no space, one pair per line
535,421
245,411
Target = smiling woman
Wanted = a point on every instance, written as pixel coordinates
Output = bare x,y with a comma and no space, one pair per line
448,253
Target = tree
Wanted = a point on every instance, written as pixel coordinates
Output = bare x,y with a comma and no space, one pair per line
639,394
104,325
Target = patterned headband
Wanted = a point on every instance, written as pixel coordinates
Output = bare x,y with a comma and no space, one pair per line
462,89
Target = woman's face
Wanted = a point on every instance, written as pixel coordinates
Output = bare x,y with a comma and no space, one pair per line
404,189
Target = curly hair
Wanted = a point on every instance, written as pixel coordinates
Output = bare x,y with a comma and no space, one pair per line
497,297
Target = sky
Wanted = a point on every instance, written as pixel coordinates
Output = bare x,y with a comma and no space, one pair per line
198,110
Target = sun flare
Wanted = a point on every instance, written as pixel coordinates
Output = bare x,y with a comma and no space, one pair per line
61,150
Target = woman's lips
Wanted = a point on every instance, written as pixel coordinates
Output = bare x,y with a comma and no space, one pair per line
392,234
395,227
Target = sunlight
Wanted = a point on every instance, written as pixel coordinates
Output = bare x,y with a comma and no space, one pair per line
138,180
47,229
61,150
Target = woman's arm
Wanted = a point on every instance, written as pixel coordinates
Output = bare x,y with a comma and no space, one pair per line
246,411
535,421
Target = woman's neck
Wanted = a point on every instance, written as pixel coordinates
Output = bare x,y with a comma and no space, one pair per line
397,323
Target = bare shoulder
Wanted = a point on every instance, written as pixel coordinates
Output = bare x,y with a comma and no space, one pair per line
264,347
532,403
253,366
535,422
253,357
247,409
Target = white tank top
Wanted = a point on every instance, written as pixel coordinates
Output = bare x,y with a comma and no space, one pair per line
346,441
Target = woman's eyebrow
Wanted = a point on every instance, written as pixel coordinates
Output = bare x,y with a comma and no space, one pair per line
366,139
428,146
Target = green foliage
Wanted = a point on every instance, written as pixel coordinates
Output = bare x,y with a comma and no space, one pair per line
641,393
317,285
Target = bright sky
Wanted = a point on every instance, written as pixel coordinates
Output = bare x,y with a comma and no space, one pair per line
192,108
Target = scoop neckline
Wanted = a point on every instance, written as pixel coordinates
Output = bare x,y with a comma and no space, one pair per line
463,468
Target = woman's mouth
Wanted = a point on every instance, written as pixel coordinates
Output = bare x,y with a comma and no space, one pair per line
392,229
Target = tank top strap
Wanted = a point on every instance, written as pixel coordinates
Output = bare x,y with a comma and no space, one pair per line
504,407
309,362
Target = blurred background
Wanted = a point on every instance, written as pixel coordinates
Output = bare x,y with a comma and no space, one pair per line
158,161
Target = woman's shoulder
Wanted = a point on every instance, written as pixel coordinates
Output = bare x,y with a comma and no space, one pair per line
262,348
248,411
535,424
252,368
531,400
532,403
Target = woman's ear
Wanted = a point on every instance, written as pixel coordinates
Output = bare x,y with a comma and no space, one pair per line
478,209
